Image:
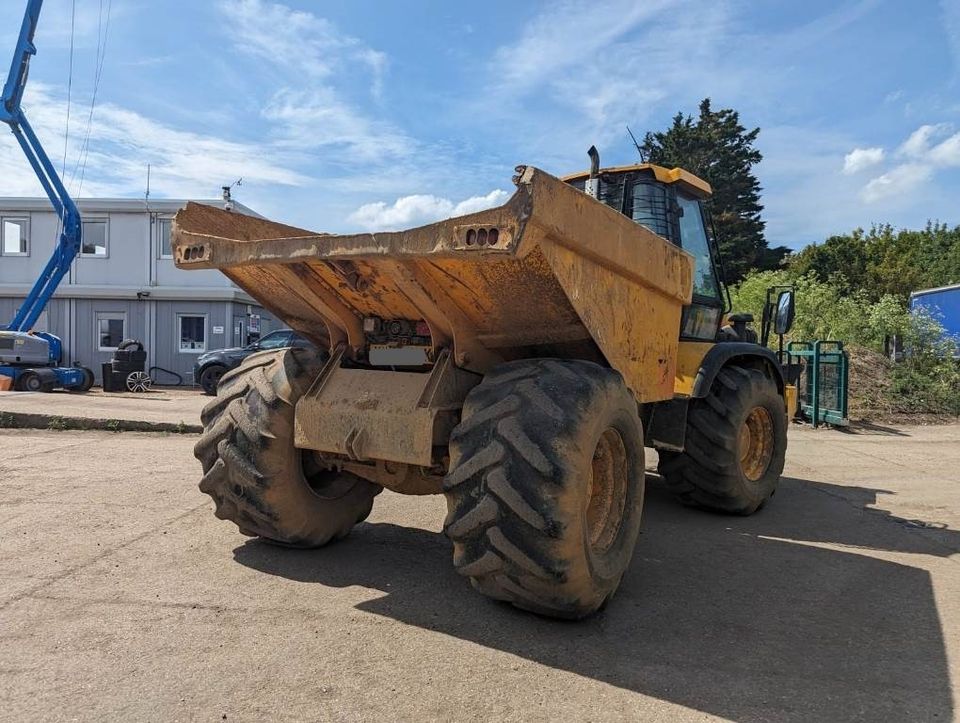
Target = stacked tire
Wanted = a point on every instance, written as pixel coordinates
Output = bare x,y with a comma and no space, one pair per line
129,357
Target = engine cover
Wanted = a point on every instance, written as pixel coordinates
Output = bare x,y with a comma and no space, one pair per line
17,347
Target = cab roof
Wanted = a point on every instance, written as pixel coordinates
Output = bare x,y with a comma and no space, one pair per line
686,180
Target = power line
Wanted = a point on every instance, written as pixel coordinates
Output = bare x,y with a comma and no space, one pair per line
66,129
101,54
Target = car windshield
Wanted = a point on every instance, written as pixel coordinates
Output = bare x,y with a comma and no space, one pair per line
275,340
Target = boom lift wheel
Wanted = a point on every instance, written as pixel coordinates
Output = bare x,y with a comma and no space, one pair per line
545,488
736,442
30,381
251,468
88,380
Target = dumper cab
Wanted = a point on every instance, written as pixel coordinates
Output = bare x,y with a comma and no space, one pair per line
669,202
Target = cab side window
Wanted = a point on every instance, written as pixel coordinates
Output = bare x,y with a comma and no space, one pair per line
693,239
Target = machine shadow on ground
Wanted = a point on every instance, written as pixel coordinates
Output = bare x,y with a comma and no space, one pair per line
745,618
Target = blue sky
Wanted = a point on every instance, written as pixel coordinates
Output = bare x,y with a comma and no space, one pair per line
349,115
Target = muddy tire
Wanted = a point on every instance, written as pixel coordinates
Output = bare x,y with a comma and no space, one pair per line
545,488
253,472
735,446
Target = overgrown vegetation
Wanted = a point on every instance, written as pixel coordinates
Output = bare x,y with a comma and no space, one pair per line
927,381
884,261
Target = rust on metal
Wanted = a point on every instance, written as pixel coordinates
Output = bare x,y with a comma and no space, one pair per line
405,479
755,442
370,414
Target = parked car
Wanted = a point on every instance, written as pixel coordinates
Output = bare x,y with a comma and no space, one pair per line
214,364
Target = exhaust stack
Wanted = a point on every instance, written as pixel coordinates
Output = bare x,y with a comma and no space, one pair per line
592,186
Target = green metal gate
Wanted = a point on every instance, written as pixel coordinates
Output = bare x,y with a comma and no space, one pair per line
823,385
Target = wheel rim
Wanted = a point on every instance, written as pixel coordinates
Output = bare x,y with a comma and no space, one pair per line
756,443
324,481
139,382
607,490
32,384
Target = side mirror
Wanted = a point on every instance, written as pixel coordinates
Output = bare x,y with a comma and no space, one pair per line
783,321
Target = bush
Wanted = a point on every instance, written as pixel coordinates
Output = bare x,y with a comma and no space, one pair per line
927,381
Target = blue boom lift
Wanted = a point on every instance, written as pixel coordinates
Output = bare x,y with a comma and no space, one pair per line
32,358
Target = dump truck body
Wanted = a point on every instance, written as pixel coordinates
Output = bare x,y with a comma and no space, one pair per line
551,272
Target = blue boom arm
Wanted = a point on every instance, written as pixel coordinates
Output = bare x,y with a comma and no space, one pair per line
71,236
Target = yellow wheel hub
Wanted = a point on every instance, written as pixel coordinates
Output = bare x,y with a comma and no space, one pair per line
607,491
756,443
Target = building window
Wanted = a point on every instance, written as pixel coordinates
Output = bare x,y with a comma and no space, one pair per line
193,333
165,226
94,239
15,237
110,329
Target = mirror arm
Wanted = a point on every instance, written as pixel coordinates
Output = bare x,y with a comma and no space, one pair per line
766,319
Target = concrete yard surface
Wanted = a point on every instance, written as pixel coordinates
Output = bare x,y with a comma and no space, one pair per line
158,406
123,598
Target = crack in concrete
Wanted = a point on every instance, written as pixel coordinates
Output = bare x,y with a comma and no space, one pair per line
97,558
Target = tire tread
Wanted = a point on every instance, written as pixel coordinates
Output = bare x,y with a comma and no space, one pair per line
707,473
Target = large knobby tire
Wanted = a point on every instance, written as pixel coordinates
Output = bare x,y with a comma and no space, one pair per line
735,445
251,468
545,488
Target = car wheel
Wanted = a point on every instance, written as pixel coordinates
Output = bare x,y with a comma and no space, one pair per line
210,377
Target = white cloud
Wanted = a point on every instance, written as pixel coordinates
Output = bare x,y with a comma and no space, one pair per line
600,67
893,96
900,181
416,210
318,118
860,159
564,35
123,142
924,157
946,154
951,22
315,69
918,144
298,40
149,61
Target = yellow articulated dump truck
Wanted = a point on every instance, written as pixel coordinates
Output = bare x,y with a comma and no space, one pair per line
516,360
